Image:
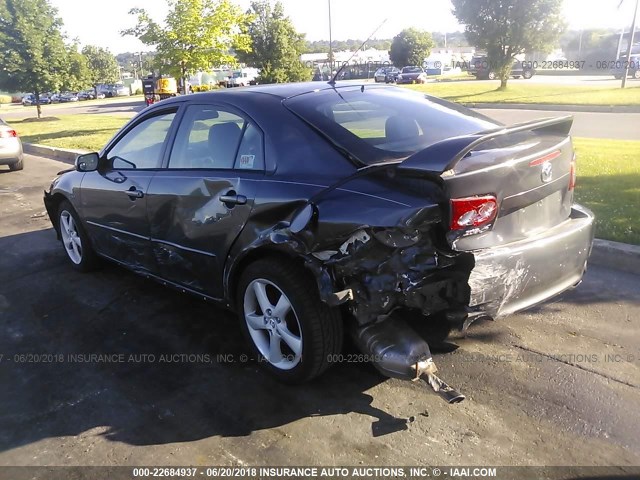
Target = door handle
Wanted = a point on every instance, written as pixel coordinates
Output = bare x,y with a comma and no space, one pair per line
232,198
134,193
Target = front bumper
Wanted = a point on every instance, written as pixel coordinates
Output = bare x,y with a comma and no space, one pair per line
516,276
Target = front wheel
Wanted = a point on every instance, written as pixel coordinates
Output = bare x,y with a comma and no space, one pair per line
636,75
527,74
491,76
75,241
293,334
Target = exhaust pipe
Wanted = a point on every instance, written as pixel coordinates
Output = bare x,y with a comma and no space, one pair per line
398,351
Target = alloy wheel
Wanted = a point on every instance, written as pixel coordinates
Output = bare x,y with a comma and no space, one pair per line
70,237
273,324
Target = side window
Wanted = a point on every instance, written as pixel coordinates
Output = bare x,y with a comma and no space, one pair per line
251,152
142,146
210,137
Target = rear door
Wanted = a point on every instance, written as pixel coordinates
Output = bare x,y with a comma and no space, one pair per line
200,201
114,198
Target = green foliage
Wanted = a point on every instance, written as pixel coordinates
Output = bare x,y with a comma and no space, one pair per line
276,45
196,35
5,99
78,75
322,46
102,65
410,47
33,55
506,28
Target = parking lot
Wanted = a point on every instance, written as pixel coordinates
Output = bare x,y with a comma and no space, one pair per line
113,369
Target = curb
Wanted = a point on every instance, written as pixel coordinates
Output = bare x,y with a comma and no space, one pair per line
620,256
62,154
557,108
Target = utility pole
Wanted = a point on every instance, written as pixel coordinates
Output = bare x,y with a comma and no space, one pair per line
630,46
330,44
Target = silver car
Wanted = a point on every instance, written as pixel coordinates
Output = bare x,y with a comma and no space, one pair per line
10,148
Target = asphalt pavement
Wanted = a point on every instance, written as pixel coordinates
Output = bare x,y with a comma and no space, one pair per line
556,385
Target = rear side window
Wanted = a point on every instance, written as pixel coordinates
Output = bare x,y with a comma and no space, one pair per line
381,124
211,137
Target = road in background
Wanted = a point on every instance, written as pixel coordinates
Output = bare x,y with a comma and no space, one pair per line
621,126
557,385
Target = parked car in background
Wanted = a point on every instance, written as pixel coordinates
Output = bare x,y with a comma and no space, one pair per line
10,148
482,69
386,75
55,97
412,74
621,64
310,209
113,90
66,97
86,95
30,99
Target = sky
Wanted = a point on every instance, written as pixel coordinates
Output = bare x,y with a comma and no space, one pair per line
350,18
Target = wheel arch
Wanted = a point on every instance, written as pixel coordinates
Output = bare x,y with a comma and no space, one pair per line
234,273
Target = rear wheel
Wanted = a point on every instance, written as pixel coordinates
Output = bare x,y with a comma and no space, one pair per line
75,241
293,334
17,166
491,76
527,74
636,74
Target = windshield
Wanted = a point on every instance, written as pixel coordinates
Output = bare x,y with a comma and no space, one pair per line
383,124
411,70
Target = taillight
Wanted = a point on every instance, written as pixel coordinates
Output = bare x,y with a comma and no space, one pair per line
473,211
572,173
4,133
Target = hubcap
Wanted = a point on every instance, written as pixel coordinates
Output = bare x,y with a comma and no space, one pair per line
70,237
273,324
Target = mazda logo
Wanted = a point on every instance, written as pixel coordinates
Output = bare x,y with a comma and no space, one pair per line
547,172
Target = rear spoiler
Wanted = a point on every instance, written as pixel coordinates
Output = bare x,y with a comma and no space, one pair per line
445,155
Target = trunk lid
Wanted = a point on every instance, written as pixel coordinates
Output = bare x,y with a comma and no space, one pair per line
527,168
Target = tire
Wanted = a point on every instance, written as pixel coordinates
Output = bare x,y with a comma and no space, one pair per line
527,74
636,75
75,240
516,76
491,76
16,166
313,330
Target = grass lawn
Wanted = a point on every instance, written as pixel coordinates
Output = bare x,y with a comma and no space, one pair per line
609,184
524,92
84,132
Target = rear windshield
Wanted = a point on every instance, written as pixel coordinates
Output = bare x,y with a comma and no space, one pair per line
384,124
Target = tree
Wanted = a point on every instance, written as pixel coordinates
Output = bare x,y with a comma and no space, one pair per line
77,75
32,49
506,28
196,35
102,65
276,46
410,47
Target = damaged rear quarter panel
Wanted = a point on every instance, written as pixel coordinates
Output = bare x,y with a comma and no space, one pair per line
378,235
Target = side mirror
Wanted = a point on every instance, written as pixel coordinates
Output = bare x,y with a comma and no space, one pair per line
87,162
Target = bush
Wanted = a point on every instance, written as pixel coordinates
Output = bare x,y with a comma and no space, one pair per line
5,99
138,91
16,98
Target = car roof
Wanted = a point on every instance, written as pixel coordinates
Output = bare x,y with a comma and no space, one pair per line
280,90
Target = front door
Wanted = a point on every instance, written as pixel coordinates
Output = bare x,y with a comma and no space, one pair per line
113,199
200,202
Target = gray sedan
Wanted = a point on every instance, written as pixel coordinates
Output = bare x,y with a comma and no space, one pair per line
10,148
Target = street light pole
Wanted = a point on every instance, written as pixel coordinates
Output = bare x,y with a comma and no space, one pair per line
330,43
630,46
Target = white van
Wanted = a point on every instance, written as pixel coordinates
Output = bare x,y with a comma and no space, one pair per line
244,77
